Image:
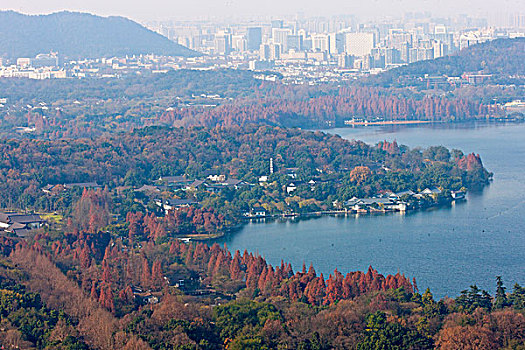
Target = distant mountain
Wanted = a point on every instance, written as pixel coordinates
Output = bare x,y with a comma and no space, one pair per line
80,35
502,57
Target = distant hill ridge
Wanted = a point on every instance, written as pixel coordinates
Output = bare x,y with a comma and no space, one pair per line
80,35
500,57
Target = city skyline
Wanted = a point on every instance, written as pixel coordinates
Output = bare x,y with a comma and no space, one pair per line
234,9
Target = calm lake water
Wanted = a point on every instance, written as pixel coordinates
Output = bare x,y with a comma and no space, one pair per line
446,249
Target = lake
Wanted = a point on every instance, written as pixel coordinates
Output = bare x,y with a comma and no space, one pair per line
446,249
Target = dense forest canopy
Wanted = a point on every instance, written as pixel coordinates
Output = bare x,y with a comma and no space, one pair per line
181,83
143,156
80,35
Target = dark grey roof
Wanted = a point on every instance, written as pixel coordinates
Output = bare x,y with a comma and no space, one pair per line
170,179
197,183
148,188
11,218
4,217
16,226
177,202
82,184
368,201
22,232
232,182
352,201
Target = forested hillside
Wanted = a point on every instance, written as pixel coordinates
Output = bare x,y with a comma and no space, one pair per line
80,35
502,58
177,83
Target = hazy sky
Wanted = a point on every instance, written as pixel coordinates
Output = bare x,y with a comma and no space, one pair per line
191,9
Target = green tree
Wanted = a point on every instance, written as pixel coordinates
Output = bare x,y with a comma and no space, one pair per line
243,318
381,334
473,298
500,301
517,297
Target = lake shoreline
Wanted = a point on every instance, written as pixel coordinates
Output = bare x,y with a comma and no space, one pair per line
310,215
422,123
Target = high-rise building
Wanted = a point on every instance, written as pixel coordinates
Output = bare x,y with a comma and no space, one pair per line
404,53
345,61
264,52
392,57
426,54
337,43
280,37
359,44
364,62
412,55
294,42
277,23
397,37
320,42
239,43
440,30
254,38
302,33
223,41
275,52
420,54
518,20
440,49
441,34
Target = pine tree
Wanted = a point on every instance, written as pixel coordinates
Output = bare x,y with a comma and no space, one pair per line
500,301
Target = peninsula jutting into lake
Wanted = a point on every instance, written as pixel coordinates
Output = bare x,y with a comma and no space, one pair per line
205,181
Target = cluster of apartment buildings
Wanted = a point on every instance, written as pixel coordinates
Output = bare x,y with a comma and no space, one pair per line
302,50
341,41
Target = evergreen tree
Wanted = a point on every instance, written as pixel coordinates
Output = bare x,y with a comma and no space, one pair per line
500,301
517,297
473,298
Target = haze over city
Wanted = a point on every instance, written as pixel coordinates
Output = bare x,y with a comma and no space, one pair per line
209,9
